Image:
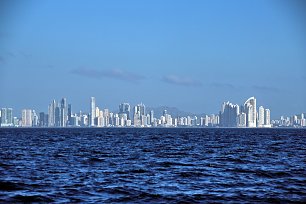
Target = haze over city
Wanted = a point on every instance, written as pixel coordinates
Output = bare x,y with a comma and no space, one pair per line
190,55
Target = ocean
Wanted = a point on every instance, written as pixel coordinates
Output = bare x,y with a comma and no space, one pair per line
152,165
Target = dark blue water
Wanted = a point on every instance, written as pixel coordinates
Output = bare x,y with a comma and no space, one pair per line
153,165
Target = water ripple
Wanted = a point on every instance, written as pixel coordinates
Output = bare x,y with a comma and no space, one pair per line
152,165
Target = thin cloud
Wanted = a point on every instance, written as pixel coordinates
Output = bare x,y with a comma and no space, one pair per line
111,73
266,88
223,85
25,54
11,54
182,81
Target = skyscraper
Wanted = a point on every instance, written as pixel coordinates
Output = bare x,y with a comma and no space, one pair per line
51,114
139,112
141,108
34,118
26,120
250,111
242,120
151,116
6,117
267,118
9,116
69,115
57,117
228,114
261,117
92,111
63,113
125,108
42,122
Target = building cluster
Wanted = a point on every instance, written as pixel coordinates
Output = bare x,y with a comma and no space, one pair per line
246,115
293,121
60,115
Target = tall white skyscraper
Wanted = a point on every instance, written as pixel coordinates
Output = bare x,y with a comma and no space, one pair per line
139,112
6,117
267,118
51,114
250,110
26,118
92,111
261,117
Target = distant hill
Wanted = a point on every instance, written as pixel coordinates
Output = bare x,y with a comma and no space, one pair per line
173,111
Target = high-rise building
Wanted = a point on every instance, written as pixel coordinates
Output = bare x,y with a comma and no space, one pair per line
63,113
250,111
106,117
51,114
92,111
42,121
4,120
125,108
141,108
228,114
69,112
139,112
9,116
34,119
261,117
151,116
26,118
206,122
241,120
136,119
267,118
6,117
57,117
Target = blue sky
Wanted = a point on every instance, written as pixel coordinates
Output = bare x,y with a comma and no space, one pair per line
192,55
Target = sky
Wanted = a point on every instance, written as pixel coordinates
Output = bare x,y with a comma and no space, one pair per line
193,55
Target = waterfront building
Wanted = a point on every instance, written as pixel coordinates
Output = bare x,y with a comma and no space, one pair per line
57,116
42,122
267,118
206,120
69,115
92,113
117,120
228,114
261,117
139,115
250,111
175,122
26,118
151,116
106,117
125,108
75,120
15,121
141,108
51,114
241,120
84,121
35,119
6,117
63,113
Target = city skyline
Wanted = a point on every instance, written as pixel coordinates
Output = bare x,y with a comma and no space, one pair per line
61,114
178,53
